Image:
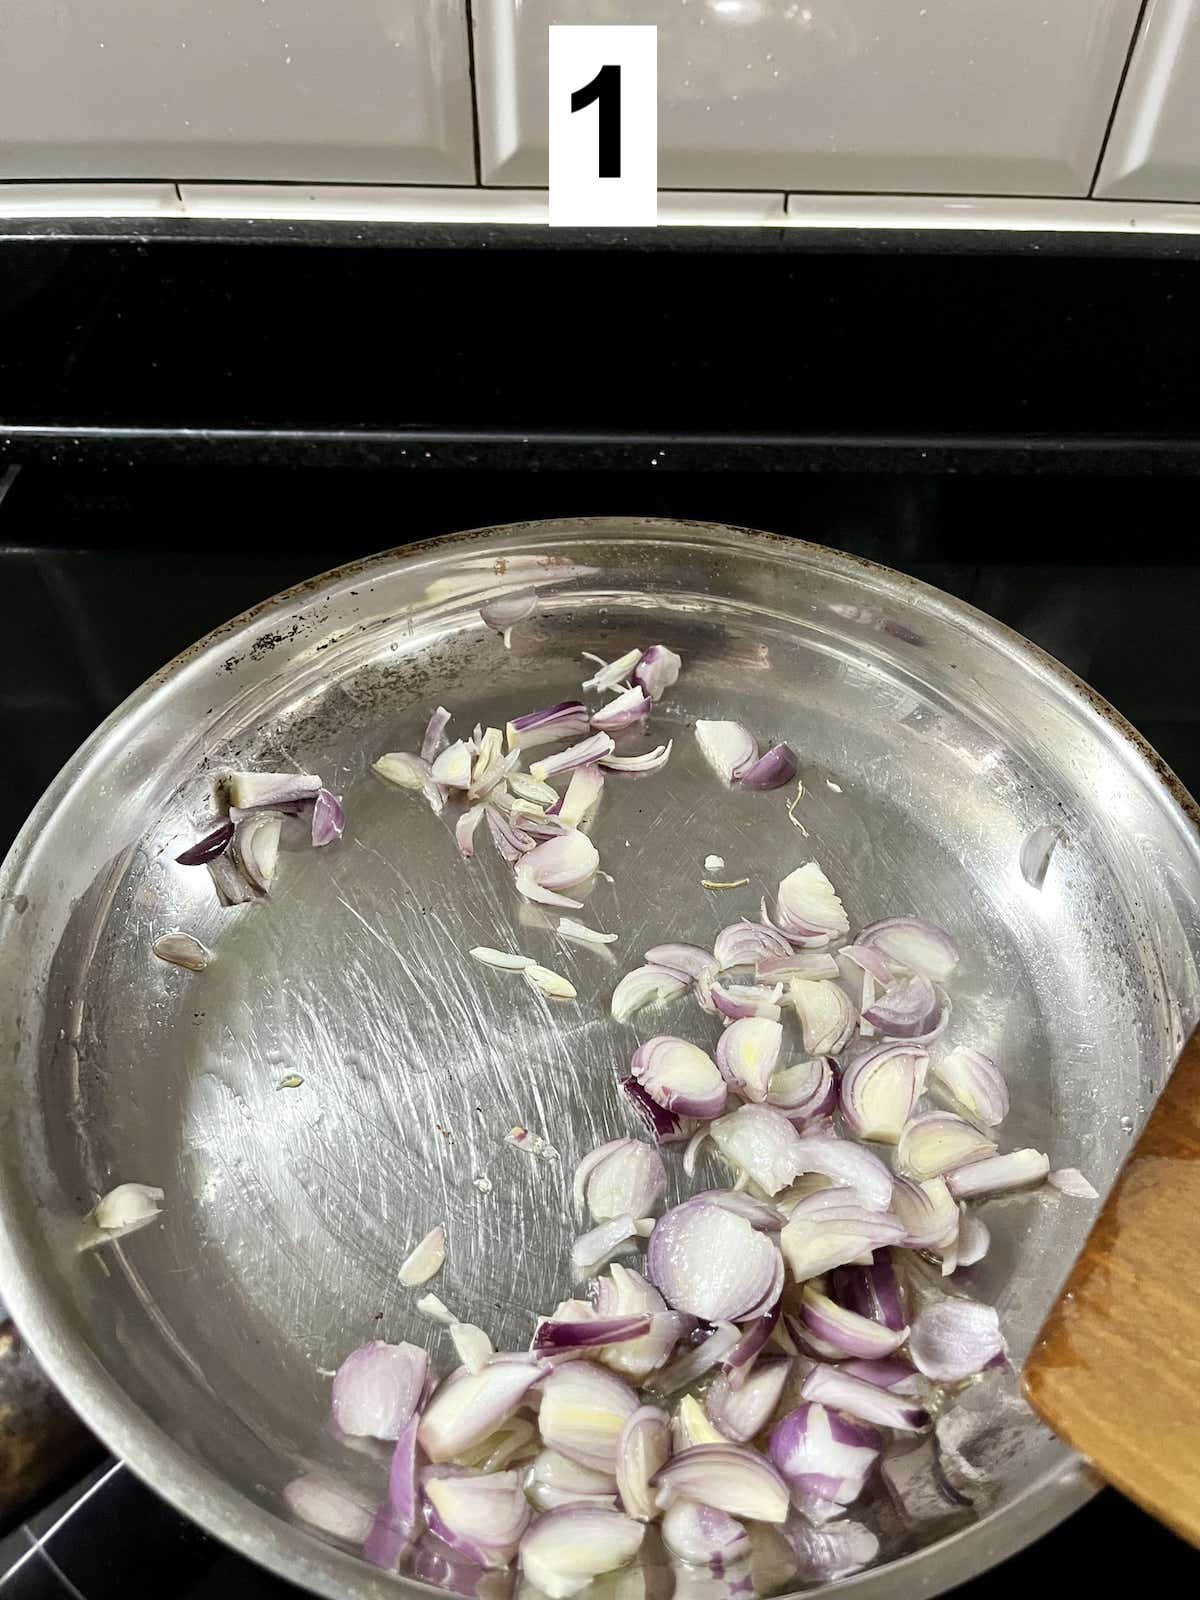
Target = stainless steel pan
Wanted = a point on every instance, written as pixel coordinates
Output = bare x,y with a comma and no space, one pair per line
199,1348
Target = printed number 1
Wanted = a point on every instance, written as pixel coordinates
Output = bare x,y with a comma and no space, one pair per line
605,87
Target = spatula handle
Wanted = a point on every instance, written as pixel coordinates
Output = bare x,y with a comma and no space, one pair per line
1116,1369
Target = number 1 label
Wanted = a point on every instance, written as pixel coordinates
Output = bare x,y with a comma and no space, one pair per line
603,126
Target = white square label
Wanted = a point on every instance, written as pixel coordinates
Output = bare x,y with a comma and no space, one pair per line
603,127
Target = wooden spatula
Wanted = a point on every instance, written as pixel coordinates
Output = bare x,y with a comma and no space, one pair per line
1116,1369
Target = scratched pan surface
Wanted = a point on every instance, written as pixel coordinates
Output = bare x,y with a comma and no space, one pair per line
200,1348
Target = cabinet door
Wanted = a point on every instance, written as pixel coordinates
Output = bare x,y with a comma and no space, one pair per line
352,91
924,96
1154,148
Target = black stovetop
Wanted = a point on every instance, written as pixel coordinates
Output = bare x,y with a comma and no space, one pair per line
105,573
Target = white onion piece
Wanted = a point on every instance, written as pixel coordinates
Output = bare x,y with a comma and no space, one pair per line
1036,850
653,760
712,1264
810,964
452,769
742,1407
502,959
658,670
643,986
436,1310
679,1077
566,720
729,1477
562,1476
623,1177
182,950
702,1536
611,673
937,1141
552,984
728,748
849,1165
852,1335
644,1447
762,1143
912,944
998,1174
629,707
1069,1180
377,1388
692,1425
826,1231
686,960
698,1360
410,772
558,863
974,1240
804,1090
907,1009
329,1508
584,1408
565,1549
247,790
582,754
807,907
471,1345
255,848
625,1293
480,1517
955,1339
395,1521
733,1001
974,1083
748,1053
832,1551
596,1248
127,1208
824,1457
466,1407
928,1212
532,789
757,1213
880,1089
826,1015
743,943
425,1261
580,933
839,1391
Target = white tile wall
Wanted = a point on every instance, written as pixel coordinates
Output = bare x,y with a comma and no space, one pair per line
938,96
1154,149
367,91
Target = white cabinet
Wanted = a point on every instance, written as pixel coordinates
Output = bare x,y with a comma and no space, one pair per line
1154,148
353,91
916,96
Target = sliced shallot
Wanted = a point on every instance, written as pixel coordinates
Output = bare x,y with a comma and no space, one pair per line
377,1389
471,1345
630,707
880,1090
1069,1180
623,1177
1019,1169
938,1141
910,943
246,790
481,1516
713,1264
823,1456
431,742
762,1143
582,754
644,986
410,772
425,1261
566,720
833,1550
584,1409
975,1083
851,1335
728,748
653,760
729,1477
452,769
597,1247
396,1520
182,950
743,943
747,1055
657,670
466,1406
612,673
580,933
560,863
255,848
665,1126
679,1077
839,1392
773,770
564,1550
329,1507
625,1294
642,1449
805,1090
127,1208
907,1009
213,844
687,961
742,1406
702,1536
823,1233
328,819
826,1015
1036,850
807,908
954,1339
